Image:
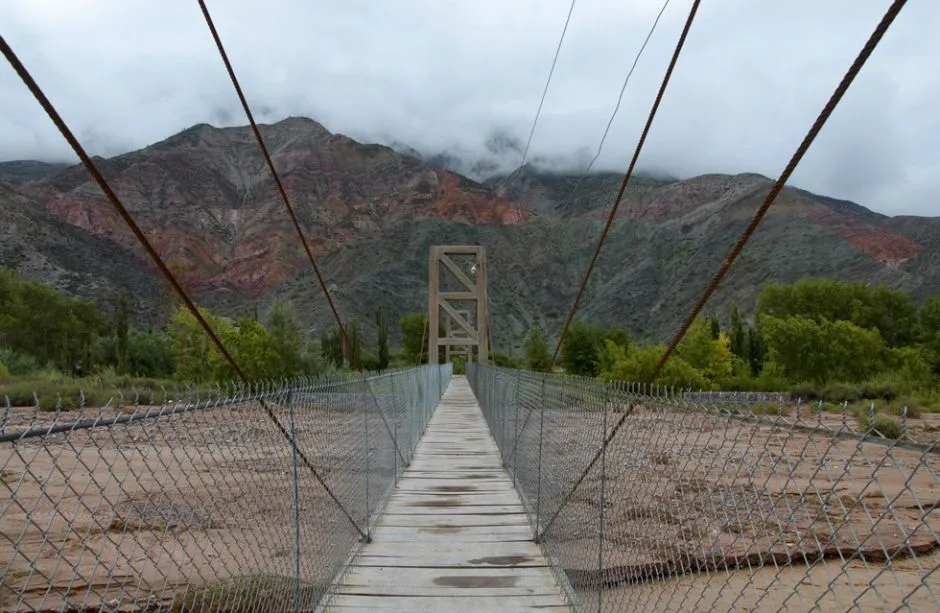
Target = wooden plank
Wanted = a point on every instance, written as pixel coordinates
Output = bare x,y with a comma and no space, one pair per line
424,590
455,521
455,535
437,604
466,510
461,578
462,552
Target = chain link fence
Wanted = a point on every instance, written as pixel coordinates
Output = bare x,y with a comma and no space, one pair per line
719,506
243,500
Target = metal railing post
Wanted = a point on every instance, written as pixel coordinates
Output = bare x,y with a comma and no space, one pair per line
603,502
515,424
538,487
293,436
365,439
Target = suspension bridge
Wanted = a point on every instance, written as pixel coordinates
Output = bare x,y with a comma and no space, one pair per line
420,489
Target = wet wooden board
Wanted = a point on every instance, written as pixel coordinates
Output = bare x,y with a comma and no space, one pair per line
454,535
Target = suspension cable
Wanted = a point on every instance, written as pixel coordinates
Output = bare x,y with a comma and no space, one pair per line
50,110
627,176
600,145
548,81
274,173
834,100
347,342
613,115
824,115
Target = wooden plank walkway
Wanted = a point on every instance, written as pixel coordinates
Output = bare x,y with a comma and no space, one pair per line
454,537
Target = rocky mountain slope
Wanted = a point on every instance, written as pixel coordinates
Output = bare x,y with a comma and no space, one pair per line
207,201
42,246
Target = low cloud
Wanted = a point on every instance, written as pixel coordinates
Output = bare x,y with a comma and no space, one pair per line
466,78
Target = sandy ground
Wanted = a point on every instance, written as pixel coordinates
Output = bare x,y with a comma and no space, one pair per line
747,516
127,515
699,511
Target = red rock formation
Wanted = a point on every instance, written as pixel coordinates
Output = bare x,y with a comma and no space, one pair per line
206,200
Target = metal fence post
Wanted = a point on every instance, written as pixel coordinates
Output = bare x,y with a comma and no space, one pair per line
293,436
538,487
516,433
600,527
365,439
395,444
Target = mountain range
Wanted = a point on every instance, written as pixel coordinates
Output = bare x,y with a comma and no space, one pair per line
208,203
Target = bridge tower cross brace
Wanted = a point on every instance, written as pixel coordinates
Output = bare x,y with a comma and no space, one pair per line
440,303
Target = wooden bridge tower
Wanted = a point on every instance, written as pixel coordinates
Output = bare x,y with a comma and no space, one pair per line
459,297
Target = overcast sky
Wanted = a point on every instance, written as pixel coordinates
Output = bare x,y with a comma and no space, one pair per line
440,75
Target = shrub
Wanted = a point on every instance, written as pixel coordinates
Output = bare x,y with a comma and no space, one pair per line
769,408
4,371
841,392
18,363
886,426
805,392
913,411
881,390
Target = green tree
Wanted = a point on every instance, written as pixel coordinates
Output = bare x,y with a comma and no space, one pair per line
414,332
715,328
120,334
251,346
192,348
637,363
756,351
354,348
38,321
150,354
331,348
504,360
580,349
739,345
823,351
287,340
537,355
619,338
872,307
381,323
708,355
929,330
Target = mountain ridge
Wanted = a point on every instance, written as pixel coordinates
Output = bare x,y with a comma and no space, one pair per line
205,198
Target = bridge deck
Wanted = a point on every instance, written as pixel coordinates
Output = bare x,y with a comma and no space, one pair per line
454,536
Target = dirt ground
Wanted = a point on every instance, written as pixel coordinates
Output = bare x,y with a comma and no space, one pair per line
699,511
703,510
126,516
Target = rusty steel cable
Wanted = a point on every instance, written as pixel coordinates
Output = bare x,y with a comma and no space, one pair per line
824,115
119,207
834,100
610,122
627,176
548,81
274,173
613,115
347,343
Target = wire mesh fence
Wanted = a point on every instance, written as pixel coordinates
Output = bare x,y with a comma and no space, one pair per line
243,500
719,506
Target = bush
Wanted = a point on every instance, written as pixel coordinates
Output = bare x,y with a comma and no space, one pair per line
913,410
841,392
806,392
18,363
886,426
769,408
878,390
4,371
